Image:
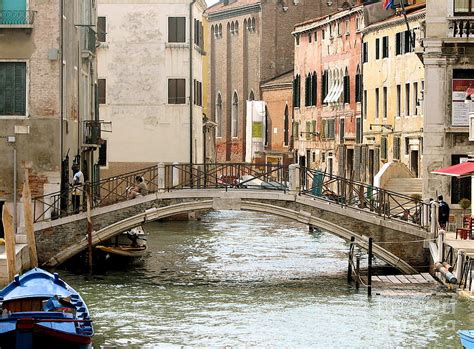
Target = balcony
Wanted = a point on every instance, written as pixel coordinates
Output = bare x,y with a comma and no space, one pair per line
91,132
461,28
88,42
13,19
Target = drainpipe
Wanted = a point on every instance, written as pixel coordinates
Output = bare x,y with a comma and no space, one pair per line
61,78
191,47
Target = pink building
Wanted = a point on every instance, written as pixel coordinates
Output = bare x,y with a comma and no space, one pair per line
327,93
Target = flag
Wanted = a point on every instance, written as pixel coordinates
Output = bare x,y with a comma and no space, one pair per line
387,4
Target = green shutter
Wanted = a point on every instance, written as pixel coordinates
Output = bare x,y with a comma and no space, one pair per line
12,88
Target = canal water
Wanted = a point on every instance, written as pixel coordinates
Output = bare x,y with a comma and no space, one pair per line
238,279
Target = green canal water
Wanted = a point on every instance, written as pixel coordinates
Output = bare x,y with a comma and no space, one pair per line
237,279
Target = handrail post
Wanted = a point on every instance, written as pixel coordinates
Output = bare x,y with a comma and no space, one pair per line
175,174
161,176
294,178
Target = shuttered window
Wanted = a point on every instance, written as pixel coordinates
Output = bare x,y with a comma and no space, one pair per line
396,148
176,91
102,84
101,29
13,88
176,29
103,154
383,148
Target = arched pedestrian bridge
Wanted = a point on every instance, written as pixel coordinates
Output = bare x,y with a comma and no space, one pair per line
397,223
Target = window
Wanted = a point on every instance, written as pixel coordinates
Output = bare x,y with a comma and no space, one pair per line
198,34
176,91
341,130
327,128
235,116
315,36
377,103
383,148
285,128
399,100
385,47
308,130
377,48
310,37
338,26
385,102
463,7
197,93
358,131
407,44
296,91
324,86
365,52
101,29
297,39
396,148
407,99
176,29
407,146
348,28
323,34
218,112
103,153
415,98
295,127
307,91
347,88
314,89
399,41
313,129
102,85
365,102
358,86
13,88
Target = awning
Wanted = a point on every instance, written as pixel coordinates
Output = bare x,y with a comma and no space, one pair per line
464,169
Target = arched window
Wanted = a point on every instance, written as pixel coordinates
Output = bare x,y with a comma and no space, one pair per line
245,24
236,28
219,115
232,28
220,30
251,96
358,86
347,87
286,126
235,115
253,23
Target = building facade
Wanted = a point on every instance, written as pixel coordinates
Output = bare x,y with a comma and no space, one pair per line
327,92
393,80
250,43
150,72
277,94
47,94
449,73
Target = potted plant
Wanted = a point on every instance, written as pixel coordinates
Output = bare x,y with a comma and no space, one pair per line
465,204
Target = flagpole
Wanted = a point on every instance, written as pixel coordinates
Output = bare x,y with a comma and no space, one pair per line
404,12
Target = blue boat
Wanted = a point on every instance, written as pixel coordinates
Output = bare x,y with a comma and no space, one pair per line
467,338
39,310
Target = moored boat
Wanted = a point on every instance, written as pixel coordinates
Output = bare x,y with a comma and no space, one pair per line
130,244
467,338
40,310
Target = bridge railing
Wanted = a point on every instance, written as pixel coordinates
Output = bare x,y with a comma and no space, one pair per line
115,189
363,196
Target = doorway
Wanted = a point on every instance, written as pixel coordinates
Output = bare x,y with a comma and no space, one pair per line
349,163
414,162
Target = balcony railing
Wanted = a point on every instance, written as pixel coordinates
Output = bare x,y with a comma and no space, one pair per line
88,38
91,132
17,18
461,27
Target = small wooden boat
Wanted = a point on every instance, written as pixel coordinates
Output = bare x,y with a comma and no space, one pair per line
131,244
124,250
39,310
467,338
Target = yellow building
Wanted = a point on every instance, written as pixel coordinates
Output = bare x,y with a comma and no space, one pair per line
393,80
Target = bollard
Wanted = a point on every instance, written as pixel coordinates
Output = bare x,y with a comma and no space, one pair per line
459,264
294,178
175,174
440,245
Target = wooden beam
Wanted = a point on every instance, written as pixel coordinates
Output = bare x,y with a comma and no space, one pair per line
9,243
28,215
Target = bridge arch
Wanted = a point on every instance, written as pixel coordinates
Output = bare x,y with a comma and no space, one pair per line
156,213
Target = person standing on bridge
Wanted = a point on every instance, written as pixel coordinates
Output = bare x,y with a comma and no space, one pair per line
78,184
443,212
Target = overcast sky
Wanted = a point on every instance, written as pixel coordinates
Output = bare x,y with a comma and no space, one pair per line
210,2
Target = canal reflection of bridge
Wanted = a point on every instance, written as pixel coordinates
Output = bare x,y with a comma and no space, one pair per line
398,224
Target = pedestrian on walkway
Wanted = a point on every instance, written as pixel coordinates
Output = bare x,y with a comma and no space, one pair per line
443,212
78,185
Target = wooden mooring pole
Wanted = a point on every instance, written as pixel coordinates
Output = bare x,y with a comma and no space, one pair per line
89,229
9,242
351,260
357,271
369,272
28,216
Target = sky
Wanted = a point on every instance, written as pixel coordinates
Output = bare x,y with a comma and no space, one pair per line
211,2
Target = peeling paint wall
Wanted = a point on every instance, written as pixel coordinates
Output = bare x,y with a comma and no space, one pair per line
137,62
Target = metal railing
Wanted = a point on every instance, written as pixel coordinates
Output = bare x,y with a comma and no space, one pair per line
17,17
89,39
461,27
91,132
235,176
365,197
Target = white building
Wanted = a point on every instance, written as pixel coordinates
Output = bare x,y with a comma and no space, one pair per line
449,73
147,87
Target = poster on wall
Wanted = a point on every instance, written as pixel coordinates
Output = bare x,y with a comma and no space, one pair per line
461,110
255,129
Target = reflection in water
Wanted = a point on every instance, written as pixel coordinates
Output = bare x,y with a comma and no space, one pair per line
244,279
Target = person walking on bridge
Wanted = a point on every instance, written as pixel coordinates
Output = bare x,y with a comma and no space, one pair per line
443,212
